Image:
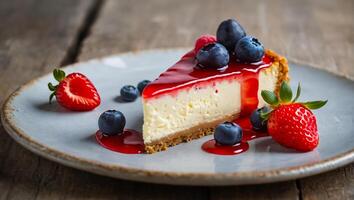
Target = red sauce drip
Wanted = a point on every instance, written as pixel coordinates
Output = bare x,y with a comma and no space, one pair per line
130,142
249,93
211,146
248,132
185,73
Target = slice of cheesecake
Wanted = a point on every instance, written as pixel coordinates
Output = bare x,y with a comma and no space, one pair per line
186,102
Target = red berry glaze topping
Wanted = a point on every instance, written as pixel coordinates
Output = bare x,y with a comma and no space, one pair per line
74,92
202,41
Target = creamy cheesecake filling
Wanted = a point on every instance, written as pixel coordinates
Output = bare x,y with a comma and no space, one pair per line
199,104
190,107
268,80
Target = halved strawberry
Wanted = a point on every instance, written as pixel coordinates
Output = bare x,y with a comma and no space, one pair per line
74,92
292,124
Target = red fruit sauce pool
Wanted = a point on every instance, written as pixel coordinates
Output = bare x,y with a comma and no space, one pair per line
184,74
130,142
211,146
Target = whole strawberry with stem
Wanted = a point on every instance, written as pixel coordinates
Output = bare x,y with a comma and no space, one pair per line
291,123
74,91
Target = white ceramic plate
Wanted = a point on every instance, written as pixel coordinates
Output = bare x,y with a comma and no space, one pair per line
68,137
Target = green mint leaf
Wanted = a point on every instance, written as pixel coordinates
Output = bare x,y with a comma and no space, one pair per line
298,91
285,93
58,74
314,104
270,97
51,97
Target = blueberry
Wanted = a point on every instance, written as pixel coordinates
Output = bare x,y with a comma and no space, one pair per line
129,93
142,85
228,133
213,55
257,122
249,50
229,33
111,122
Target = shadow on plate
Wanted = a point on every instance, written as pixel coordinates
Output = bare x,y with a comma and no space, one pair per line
137,123
51,107
119,99
90,138
269,145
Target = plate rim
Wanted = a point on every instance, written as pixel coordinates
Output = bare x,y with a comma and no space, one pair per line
155,176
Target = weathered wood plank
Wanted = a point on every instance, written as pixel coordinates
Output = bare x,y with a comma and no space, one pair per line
337,184
35,37
285,190
75,184
301,30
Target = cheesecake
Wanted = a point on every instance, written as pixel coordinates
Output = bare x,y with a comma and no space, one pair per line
187,102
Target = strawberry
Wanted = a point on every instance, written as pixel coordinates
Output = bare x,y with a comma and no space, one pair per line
74,91
202,41
292,124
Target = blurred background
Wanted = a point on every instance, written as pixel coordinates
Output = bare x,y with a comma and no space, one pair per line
317,32
38,35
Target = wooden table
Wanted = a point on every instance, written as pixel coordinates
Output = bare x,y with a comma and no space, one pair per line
36,36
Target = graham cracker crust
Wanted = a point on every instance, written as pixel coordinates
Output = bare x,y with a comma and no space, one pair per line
208,128
186,135
282,63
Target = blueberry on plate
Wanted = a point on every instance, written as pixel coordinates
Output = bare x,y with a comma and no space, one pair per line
228,133
142,85
129,93
111,122
213,55
258,124
229,33
249,50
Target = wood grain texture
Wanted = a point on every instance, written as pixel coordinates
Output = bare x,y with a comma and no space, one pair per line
320,32
37,35
275,191
337,184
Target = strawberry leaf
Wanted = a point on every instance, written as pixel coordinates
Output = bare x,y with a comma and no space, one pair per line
314,104
298,91
270,97
285,93
58,74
